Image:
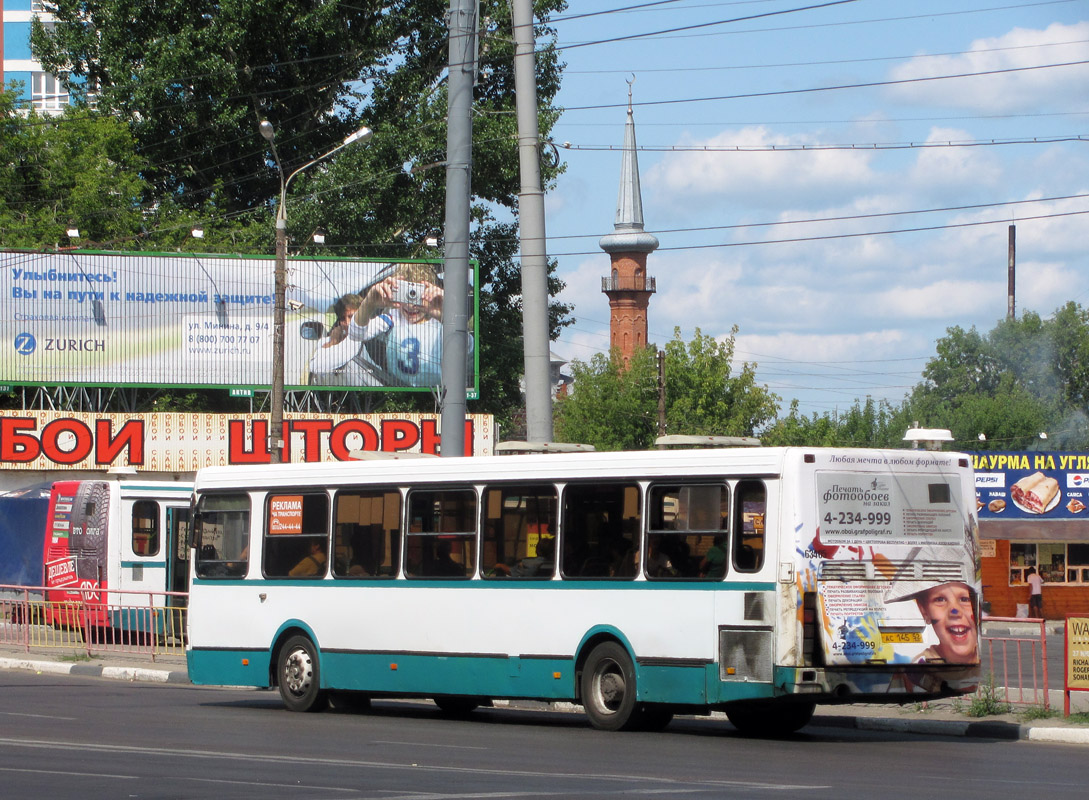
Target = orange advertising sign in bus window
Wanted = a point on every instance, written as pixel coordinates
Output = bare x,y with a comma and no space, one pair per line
285,514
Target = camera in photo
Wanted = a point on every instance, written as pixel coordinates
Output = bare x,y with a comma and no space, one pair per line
409,293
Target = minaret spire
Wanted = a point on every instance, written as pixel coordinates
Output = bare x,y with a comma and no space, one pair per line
628,287
628,232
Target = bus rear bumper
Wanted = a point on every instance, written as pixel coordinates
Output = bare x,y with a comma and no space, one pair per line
894,683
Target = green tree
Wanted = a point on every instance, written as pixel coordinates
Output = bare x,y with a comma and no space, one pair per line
614,408
702,395
610,407
77,168
869,424
1024,377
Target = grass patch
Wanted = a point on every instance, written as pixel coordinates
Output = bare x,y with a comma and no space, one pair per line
986,703
1037,712
76,657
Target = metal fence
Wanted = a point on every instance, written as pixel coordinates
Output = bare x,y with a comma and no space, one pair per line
139,623
1018,663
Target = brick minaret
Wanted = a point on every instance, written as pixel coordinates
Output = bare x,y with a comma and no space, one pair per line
628,287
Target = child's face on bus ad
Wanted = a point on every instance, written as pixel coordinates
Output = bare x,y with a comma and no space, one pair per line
949,609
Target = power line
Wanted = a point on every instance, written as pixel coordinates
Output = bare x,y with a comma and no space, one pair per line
831,236
698,26
845,218
814,89
831,62
786,148
843,23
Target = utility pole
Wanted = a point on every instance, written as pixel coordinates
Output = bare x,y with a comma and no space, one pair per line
661,396
1011,269
531,226
461,23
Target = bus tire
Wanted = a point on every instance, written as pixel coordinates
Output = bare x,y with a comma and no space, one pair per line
769,718
299,676
607,688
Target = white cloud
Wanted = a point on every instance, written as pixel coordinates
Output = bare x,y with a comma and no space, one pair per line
1027,90
942,300
687,178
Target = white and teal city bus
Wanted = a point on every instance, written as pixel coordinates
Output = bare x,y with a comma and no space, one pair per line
758,581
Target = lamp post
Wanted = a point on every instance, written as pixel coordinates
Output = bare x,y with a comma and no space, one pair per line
276,395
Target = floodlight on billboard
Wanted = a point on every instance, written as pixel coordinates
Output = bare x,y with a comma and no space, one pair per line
158,320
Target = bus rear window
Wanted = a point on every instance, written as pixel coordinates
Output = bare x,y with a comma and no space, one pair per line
939,493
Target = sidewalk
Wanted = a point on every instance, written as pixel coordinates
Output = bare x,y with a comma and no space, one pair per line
937,718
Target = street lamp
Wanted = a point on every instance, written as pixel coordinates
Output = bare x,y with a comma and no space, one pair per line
276,401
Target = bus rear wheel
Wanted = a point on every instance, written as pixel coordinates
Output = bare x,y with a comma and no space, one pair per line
608,688
771,719
299,677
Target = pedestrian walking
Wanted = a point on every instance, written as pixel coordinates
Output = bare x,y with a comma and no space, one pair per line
1036,593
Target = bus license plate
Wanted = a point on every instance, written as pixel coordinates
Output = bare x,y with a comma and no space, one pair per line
902,637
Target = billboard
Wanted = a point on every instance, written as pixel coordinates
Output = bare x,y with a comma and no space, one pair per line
1031,486
180,442
78,318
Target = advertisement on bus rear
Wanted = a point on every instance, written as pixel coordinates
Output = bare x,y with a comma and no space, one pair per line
896,563
75,541
157,320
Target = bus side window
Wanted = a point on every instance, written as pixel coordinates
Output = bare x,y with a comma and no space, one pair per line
145,528
686,532
441,537
601,531
750,514
368,526
519,531
221,535
296,543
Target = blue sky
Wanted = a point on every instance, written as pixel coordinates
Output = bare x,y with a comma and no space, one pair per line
722,112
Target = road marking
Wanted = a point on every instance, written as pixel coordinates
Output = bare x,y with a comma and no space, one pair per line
428,744
636,780
37,716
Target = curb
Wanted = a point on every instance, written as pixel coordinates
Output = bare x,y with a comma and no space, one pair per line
132,674
1006,731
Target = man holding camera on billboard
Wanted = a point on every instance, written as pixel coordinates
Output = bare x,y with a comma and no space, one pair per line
405,311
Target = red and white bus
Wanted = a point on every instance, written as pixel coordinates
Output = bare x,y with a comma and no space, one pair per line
112,545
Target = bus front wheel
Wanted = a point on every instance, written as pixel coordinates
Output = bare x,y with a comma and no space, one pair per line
608,688
299,677
757,718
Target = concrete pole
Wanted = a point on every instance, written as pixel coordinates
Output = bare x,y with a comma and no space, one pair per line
461,23
531,226
276,439
1011,271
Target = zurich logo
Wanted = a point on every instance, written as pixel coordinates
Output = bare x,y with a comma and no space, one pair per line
25,343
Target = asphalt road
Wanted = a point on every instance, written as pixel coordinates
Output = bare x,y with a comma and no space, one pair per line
72,737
